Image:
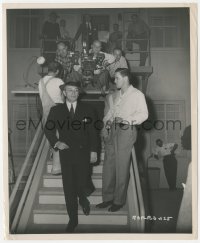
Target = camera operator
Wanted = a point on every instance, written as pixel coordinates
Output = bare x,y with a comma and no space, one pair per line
101,74
70,70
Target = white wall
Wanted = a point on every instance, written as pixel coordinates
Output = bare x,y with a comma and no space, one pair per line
171,77
18,61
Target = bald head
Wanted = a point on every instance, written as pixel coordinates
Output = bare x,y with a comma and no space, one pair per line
62,49
96,46
117,53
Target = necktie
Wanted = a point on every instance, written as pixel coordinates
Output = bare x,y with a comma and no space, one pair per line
71,112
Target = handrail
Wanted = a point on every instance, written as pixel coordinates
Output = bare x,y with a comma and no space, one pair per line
27,187
138,188
135,198
26,161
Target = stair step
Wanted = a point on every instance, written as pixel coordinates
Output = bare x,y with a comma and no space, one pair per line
56,196
81,228
96,168
57,214
56,180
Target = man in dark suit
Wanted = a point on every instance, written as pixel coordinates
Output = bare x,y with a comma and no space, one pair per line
88,31
77,144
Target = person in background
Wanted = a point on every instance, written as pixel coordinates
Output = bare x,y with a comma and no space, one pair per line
63,57
63,31
88,32
77,145
115,39
167,152
49,90
71,71
119,62
184,221
50,33
139,32
51,29
101,76
65,36
127,110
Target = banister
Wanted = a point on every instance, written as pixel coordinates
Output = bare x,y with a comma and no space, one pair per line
27,187
139,189
135,198
26,161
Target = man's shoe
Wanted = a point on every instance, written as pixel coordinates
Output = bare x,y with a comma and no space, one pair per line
115,208
71,226
85,206
104,204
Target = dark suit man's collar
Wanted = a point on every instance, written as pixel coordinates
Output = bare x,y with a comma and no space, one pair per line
68,104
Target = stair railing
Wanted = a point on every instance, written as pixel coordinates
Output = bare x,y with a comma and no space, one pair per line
148,49
135,199
14,200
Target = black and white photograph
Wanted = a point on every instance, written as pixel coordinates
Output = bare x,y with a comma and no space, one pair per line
100,120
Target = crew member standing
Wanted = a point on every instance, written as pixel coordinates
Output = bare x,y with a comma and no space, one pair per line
88,31
77,144
50,34
128,110
138,32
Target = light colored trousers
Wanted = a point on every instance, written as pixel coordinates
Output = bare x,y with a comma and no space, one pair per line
117,161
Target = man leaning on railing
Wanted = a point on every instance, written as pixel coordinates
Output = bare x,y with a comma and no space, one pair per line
139,33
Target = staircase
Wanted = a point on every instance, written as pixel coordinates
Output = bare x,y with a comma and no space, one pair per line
49,214
41,207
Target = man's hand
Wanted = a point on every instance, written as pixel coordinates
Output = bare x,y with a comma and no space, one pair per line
104,133
61,145
106,63
98,71
93,157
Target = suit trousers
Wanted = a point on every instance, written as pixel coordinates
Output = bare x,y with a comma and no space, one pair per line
116,167
75,169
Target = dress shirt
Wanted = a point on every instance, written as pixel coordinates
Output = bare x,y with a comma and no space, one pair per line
164,150
70,104
130,106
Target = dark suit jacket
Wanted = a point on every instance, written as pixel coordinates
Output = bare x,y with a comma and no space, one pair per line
88,34
79,133
51,30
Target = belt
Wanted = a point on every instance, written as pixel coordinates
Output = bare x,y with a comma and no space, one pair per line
123,124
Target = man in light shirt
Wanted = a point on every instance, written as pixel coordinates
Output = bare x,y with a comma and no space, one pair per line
126,110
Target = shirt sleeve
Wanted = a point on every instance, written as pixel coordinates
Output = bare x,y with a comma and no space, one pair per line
123,63
141,114
109,58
